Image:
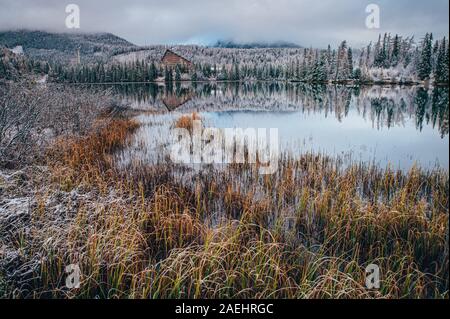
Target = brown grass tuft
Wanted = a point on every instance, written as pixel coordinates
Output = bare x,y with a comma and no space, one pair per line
187,121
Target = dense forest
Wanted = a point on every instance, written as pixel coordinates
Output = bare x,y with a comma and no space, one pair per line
391,59
63,47
14,66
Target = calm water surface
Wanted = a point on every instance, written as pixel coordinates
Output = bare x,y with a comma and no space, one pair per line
399,126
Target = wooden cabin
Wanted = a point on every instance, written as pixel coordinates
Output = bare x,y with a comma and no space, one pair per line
171,59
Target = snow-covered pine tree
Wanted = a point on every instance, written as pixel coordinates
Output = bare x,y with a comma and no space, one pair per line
442,67
425,60
395,55
342,68
379,53
350,61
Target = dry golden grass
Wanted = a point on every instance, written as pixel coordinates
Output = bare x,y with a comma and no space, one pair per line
187,121
89,158
307,231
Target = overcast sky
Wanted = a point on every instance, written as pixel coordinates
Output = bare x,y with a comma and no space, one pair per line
306,22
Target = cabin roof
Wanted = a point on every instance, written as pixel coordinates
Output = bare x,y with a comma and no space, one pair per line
168,51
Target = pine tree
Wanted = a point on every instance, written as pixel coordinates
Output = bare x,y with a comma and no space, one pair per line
379,54
442,67
342,68
350,61
435,55
387,50
152,72
425,62
395,56
235,72
303,71
357,74
194,77
321,72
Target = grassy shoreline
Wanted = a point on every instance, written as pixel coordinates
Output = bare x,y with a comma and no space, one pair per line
307,231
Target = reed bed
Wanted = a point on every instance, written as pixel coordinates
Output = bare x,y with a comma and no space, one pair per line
307,231
187,121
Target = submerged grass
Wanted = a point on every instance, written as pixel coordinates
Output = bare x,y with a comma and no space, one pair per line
308,231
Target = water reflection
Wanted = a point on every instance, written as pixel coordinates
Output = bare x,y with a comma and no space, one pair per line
384,106
173,100
397,125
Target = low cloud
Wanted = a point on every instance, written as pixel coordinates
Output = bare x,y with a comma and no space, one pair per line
306,22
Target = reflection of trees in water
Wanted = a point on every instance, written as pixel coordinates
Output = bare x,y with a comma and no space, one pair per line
427,107
421,101
153,94
138,93
432,108
440,110
384,106
386,111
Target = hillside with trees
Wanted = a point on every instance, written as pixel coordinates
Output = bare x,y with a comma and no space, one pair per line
64,47
106,58
16,66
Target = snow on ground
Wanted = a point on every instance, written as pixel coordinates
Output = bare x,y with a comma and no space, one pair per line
14,205
17,50
12,200
133,56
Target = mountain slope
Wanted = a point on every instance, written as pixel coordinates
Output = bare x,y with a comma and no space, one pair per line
63,47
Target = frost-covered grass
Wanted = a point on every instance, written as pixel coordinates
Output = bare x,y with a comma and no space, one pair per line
162,231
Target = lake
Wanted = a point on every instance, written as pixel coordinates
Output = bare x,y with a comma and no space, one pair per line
383,125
